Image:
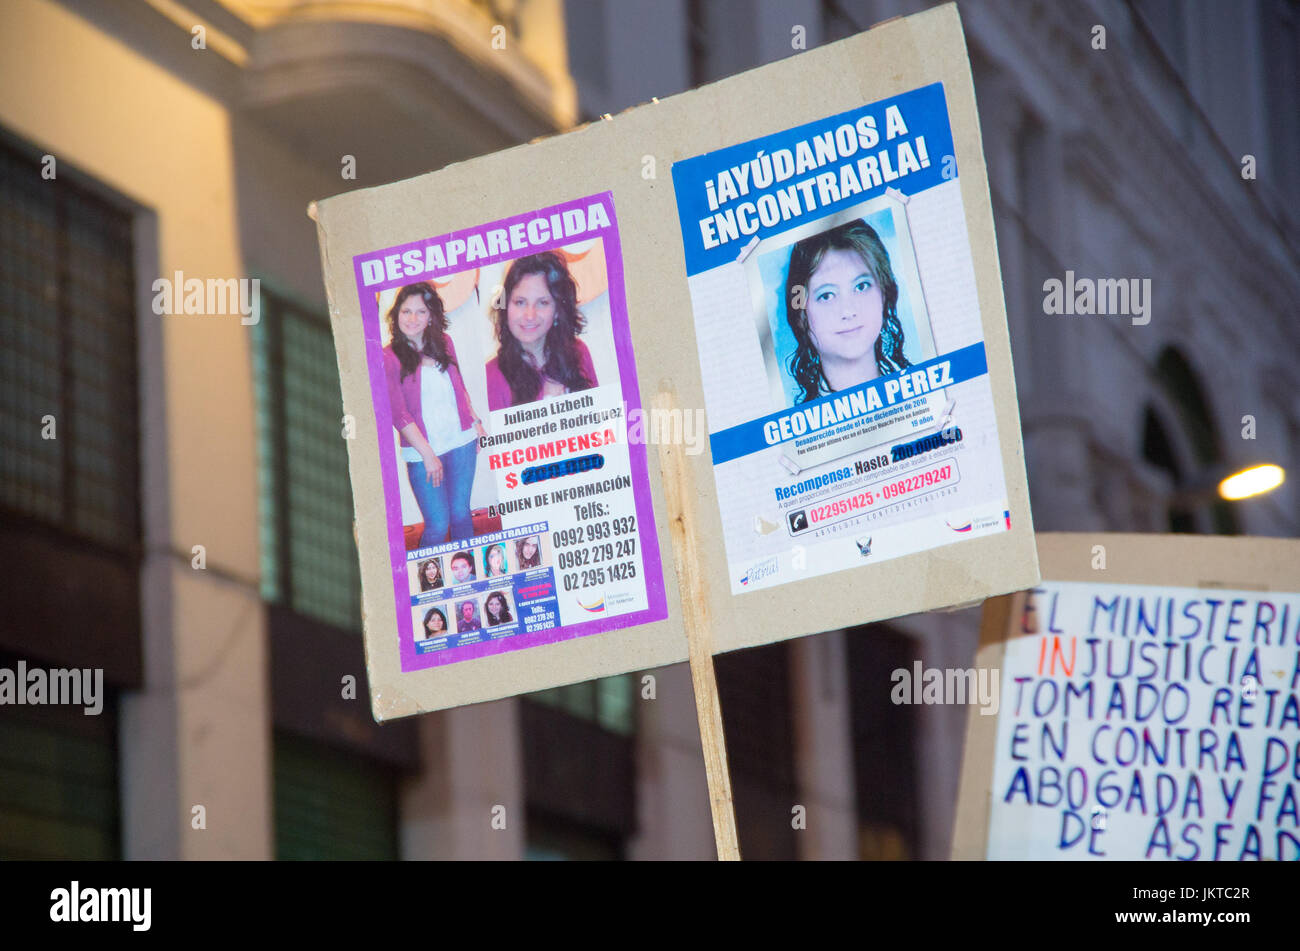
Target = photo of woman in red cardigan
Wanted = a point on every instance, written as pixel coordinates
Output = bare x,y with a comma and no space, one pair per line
432,412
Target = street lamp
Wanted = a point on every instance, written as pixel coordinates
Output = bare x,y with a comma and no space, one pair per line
1253,480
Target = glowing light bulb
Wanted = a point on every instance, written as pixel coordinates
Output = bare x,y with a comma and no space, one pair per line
1255,480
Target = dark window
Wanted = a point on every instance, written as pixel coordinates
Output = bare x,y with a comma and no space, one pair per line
610,702
1179,381
555,840
1157,450
69,470
69,497
58,781
334,766
754,692
332,805
580,768
885,741
1196,422
67,357
1026,209
309,557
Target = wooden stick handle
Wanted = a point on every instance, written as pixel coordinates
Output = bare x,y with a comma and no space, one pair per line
699,634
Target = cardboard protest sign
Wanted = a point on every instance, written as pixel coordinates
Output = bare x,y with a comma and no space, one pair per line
512,509
1150,705
580,311
859,422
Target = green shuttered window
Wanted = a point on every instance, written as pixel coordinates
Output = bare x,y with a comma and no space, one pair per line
331,805
58,784
309,558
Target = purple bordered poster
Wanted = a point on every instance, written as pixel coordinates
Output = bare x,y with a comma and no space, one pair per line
503,381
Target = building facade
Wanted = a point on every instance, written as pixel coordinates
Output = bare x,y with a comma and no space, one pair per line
186,524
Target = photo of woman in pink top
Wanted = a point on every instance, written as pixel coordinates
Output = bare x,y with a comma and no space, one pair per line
432,412
537,327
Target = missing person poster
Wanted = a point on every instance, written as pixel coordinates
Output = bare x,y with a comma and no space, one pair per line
1150,721
502,376
841,343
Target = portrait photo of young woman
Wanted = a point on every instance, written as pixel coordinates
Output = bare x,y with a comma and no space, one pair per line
496,608
537,322
841,301
838,302
528,552
435,623
494,561
432,412
430,574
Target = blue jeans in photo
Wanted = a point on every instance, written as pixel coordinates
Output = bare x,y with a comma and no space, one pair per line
447,505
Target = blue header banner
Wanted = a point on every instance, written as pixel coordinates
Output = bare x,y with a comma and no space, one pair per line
827,412
728,198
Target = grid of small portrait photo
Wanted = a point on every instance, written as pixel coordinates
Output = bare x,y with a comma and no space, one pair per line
442,585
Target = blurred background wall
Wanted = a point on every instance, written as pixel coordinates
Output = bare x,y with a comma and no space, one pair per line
181,441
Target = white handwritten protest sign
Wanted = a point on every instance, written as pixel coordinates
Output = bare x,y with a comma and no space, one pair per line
1149,708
